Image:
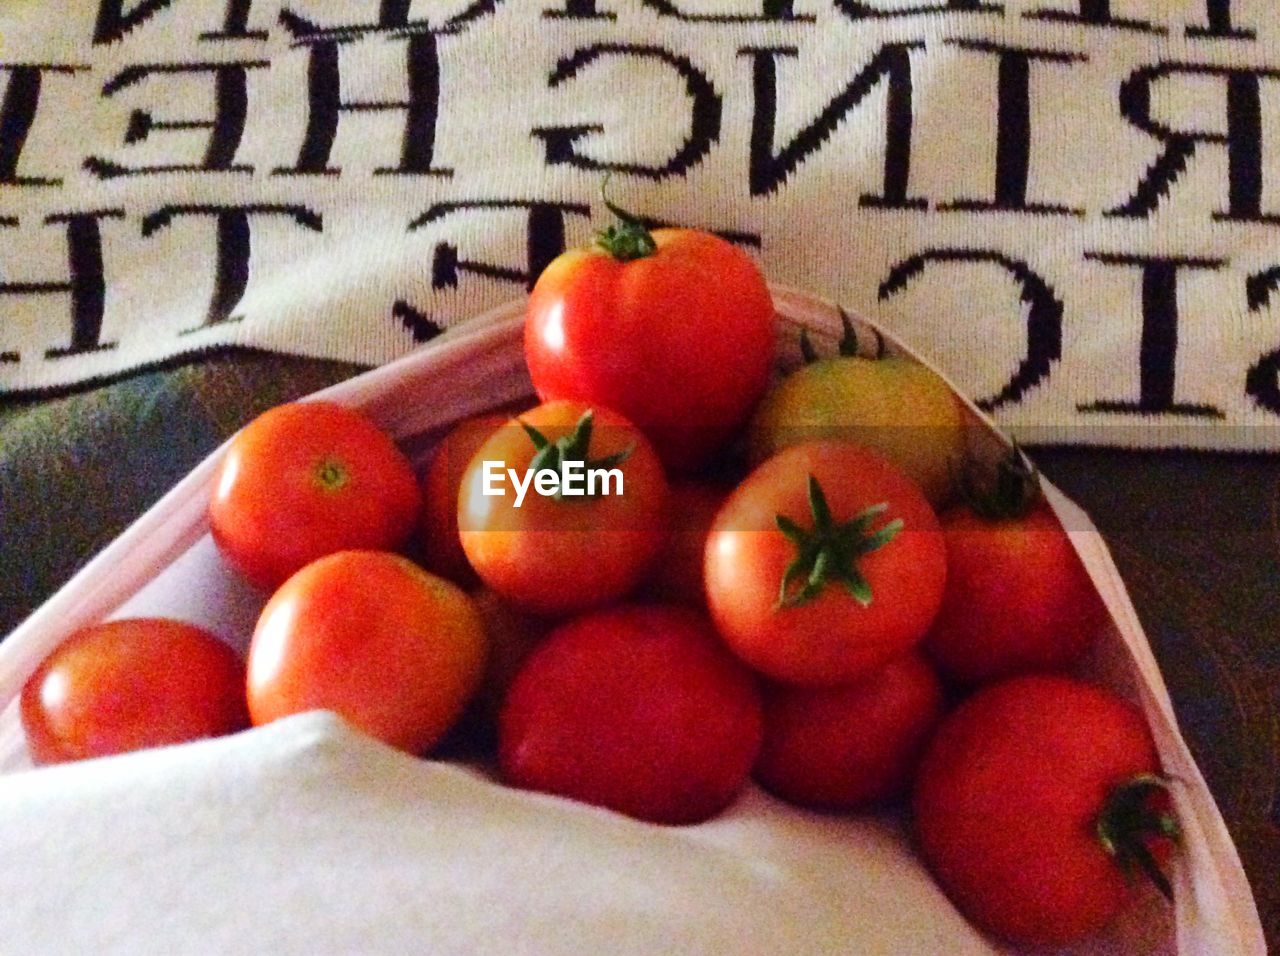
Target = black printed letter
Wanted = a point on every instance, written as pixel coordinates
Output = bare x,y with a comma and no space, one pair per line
1013,130
324,85
231,262
1044,314
860,10
772,11
1242,138
705,107
18,113
769,169
1159,350
1094,13
225,129
86,286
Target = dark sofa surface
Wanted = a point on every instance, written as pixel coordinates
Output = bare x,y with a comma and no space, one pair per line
1195,535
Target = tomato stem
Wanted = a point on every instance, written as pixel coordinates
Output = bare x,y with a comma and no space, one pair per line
628,238
331,475
829,552
575,446
1012,492
1134,816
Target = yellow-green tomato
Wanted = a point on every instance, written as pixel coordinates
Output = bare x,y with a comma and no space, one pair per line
892,405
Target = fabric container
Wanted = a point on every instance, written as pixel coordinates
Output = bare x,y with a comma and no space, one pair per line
305,836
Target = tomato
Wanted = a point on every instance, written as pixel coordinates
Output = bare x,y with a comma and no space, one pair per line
555,555
891,404
304,480
1017,599
679,339
441,548
677,574
824,564
129,684
851,747
1014,795
394,650
638,709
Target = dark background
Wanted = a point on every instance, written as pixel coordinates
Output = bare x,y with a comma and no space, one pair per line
1196,537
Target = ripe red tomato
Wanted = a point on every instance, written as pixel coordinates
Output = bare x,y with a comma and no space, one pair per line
304,480
638,709
680,339
129,684
850,747
677,574
554,555
1013,796
824,588
370,635
442,552
1017,598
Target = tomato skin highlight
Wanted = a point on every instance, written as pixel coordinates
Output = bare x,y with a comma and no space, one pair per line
1007,799
394,650
1018,598
680,342
832,639
852,747
441,546
304,480
131,684
638,709
557,556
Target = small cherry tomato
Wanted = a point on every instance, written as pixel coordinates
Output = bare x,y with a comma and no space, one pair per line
304,480
1037,800
554,553
851,747
129,684
891,404
824,564
1018,599
638,709
673,329
394,650
441,547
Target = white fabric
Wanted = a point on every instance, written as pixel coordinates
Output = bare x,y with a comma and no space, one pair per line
1080,225
305,837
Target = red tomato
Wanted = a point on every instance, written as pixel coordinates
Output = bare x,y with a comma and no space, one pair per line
677,575
442,552
305,480
370,635
853,600
680,340
129,684
638,709
1017,599
554,555
851,747
1010,798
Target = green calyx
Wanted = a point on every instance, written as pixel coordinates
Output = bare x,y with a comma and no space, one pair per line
1135,814
628,238
829,551
575,446
848,345
1011,492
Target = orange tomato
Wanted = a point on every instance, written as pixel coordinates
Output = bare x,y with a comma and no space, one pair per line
304,480
394,650
129,684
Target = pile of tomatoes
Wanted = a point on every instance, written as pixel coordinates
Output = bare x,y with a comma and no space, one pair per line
804,582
